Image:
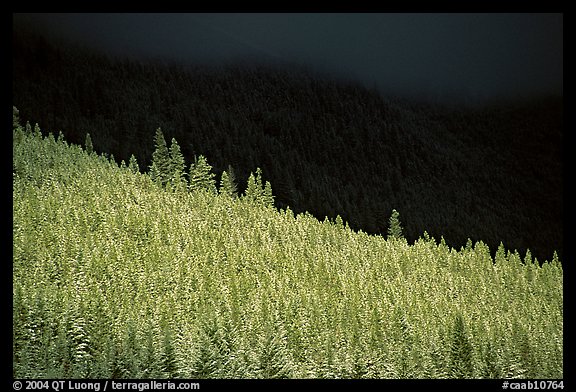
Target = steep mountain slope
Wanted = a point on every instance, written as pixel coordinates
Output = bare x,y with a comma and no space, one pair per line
116,277
328,147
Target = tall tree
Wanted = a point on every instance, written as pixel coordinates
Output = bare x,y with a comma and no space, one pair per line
394,227
461,364
160,168
15,118
254,191
177,167
268,197
201,176
133,164
258,193
228,184
88,144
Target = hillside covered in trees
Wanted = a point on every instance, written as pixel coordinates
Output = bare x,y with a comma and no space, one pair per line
123,274
328,146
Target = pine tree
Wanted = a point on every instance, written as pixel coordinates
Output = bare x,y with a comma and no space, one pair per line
394,227
160,168
338,221
88,144
177,167
133,164
15,118
61,139
461,365
254,189
268,197
228,184
169,362
201,176
256,192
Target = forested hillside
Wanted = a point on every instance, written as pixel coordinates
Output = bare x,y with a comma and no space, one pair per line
122,274
329,147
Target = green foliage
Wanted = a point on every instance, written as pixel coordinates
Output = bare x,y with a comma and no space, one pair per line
461,361
267,196
394,227
253,190
258,193
338,221
116,277
88,144
15,118
160,168
133,164
177,168
228,185
201,176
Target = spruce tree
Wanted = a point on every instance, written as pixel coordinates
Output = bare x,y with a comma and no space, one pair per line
160,168
61,139
268,197
259,179
254,189
201,176
461,364
15,118
394,227
228,185
252,192
177,167
133,164
88,144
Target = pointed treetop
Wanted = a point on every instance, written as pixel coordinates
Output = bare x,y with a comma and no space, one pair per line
228,185
133,164
177,167
394,227
160,168
201,176
88,144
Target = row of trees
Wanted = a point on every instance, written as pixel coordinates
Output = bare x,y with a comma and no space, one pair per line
168,170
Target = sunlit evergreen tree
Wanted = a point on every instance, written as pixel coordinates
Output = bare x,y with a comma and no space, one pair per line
88,144
160,168
177,167
133,164
461,351
201,176
394,227
267,196
254,189
228,183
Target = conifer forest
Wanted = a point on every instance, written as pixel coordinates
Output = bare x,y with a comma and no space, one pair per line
174,221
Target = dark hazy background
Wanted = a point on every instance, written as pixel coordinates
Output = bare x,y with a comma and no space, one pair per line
457,58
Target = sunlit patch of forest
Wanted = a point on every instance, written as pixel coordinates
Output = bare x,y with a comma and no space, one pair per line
130,271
